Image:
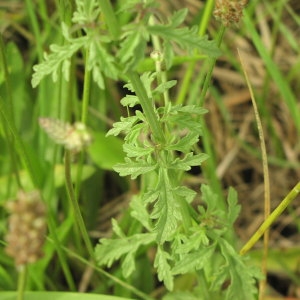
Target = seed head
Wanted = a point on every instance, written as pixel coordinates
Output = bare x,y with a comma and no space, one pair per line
74,137
229,12
26,228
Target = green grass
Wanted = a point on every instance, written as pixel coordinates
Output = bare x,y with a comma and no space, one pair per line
76,187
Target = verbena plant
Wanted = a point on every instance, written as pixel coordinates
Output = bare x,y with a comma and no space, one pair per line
194,243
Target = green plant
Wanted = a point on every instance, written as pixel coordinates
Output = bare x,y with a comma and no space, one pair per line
187,240
162,141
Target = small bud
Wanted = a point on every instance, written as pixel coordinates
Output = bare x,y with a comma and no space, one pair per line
158,58
74,137
26,228
229,12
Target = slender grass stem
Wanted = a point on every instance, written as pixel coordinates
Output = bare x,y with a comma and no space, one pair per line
7,82
21,150
22,276
108,275
270,220
75,206
282,85
86,90
10,110
110,18
186,83
20,147
267,196
209,67
84,114
62,259
203,80
35,27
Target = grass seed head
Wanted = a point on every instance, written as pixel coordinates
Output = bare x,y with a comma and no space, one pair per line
26,228
229,12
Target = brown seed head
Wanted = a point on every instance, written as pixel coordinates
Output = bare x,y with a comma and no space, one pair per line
229,12
26,228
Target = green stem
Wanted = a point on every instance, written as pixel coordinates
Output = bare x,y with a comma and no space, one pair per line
270,220
204,79
84,114
86,90
206,17
185,86
282,85
148,64
108,275
75,206
110,18
61,256
147,106
9,98
35,27
208,69
22,275
21,150
20,147
160,74
10,110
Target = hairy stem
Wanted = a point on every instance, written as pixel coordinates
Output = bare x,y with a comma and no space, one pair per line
147,106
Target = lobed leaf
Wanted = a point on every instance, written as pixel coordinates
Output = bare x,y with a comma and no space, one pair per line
139,212
185,143
137,133
194,261
166,211
133,47
134,150
150,196
178,17
194,241
185,121
86,11
187,194
233,207
188,161
164,87
54,61
190,109
130,100
100,61
110,250
124,125
187,38
134,169
241,287
163,268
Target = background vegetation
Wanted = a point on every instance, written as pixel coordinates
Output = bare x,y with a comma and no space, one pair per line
83,192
